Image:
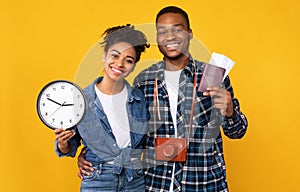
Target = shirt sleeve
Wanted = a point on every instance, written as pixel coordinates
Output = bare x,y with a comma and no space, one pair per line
74,144
234,127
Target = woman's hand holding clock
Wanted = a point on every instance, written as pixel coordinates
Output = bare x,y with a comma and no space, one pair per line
62,137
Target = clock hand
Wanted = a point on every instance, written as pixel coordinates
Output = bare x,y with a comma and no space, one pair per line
53,101
67,104
57,109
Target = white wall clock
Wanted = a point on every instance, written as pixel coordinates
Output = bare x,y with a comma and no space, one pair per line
61,104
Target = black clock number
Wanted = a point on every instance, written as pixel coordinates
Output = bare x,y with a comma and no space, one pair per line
62,87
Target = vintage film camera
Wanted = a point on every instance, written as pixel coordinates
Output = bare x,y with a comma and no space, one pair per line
171,149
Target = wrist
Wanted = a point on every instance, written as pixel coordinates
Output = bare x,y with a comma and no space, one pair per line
230,114
64,147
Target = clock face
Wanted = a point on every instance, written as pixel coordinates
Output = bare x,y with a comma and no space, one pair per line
61,104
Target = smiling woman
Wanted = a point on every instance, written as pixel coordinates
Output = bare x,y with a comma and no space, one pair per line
115,114
119,62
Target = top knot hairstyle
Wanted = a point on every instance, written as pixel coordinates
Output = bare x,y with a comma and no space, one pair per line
125,33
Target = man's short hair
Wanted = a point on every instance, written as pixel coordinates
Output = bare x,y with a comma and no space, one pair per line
173,9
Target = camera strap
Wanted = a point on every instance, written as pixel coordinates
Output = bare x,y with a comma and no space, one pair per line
156,104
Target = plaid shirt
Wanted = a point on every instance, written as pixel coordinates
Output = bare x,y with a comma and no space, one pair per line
204,168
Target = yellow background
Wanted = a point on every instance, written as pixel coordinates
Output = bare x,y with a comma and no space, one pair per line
43,41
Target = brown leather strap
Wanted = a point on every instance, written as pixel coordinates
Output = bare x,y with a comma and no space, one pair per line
192,107
155,92
154,104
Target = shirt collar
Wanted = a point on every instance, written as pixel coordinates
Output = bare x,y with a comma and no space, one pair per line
189,68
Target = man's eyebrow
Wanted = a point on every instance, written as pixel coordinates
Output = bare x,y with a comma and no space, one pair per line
173,25
179,24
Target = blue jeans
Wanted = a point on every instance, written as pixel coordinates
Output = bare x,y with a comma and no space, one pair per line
105,180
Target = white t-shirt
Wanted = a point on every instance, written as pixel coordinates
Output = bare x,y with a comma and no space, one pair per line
115,109
172,82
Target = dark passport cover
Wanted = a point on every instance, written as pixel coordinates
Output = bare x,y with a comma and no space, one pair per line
212,77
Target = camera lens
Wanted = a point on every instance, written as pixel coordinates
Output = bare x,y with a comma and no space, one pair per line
170,150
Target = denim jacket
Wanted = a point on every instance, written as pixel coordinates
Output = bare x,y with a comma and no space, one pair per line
97,137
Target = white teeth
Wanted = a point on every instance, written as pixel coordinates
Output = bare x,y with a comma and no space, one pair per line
116,70
172,45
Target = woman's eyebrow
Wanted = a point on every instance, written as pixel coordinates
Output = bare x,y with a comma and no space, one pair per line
116,51
120,53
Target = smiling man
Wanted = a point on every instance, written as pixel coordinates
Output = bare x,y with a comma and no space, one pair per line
178,110
173,38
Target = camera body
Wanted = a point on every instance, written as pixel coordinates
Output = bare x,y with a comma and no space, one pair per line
171,149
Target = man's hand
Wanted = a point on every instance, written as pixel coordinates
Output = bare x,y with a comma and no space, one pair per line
83,165
222,100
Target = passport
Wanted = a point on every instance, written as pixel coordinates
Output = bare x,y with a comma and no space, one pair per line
212,77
